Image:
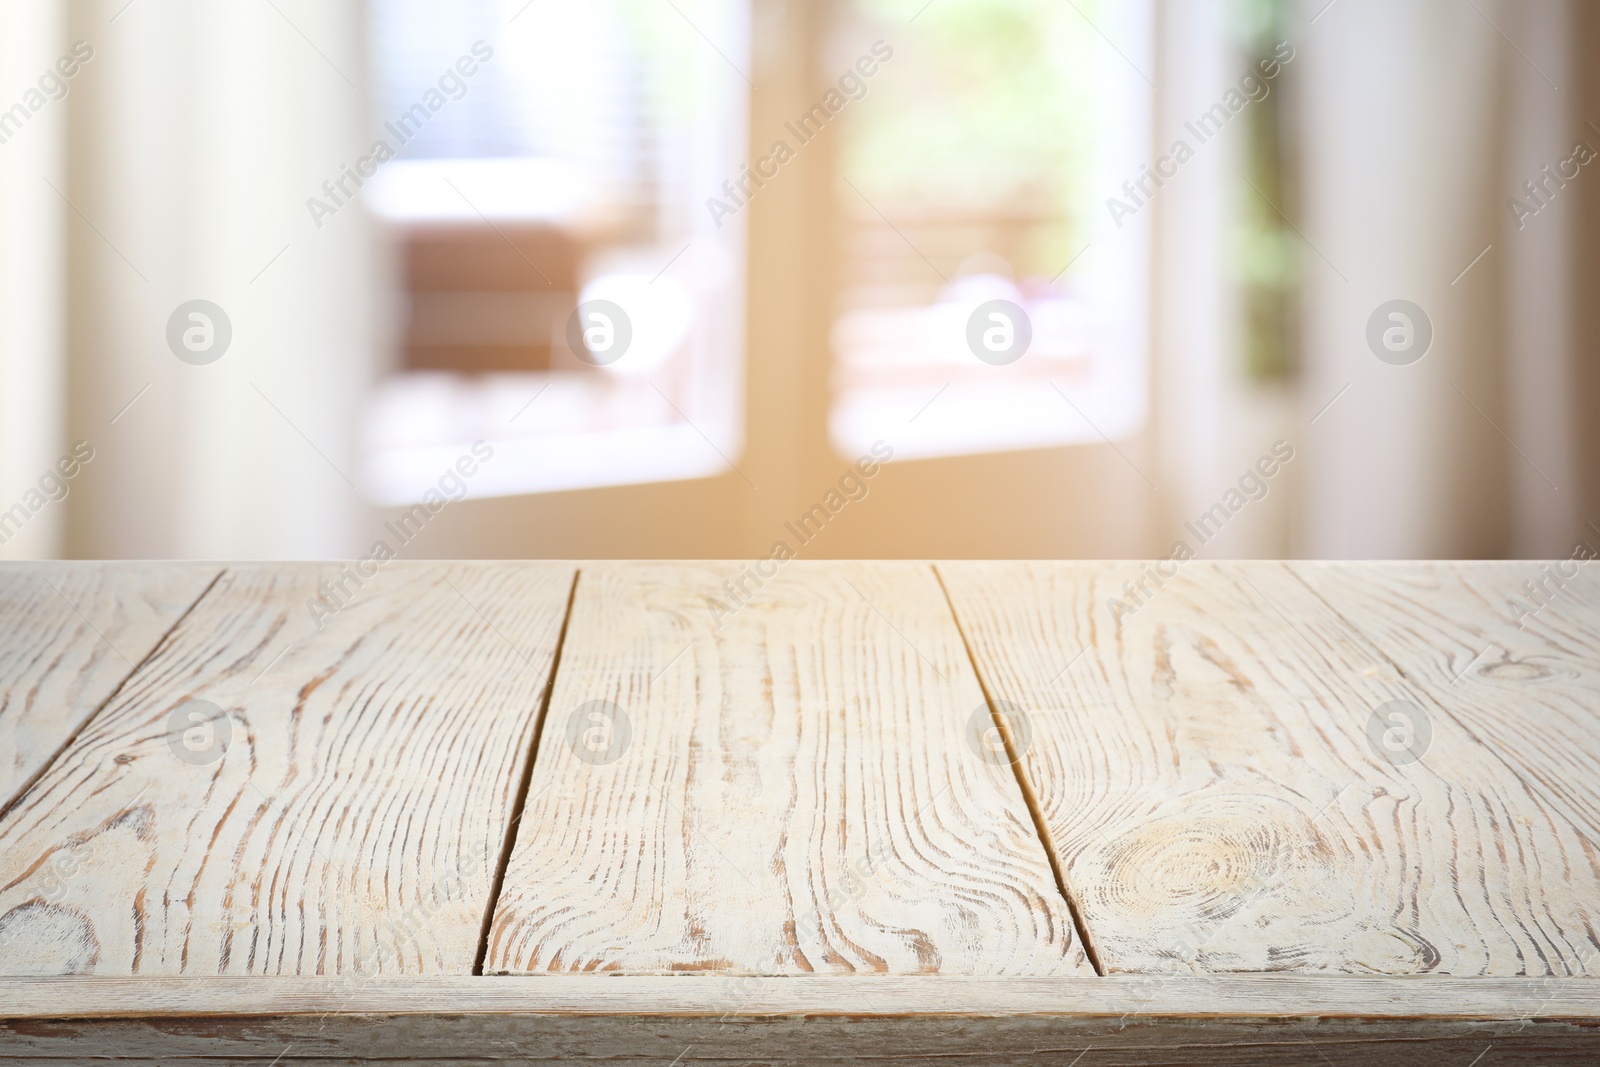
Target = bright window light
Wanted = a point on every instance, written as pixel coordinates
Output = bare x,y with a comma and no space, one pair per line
973,181
563,291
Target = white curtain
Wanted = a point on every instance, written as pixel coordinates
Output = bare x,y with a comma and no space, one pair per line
32,375
1415,124
197,134
1420,121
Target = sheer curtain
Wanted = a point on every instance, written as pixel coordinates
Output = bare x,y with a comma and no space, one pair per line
198,133
1421,122
32,377
1414,125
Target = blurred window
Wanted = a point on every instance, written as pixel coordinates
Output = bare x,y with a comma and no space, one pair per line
972,189
565,293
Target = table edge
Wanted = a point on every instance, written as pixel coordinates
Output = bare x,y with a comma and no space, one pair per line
1217,997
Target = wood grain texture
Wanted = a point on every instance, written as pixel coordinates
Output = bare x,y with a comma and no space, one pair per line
1510,651
799,793
350,824
1212,1020
73,632
1207,777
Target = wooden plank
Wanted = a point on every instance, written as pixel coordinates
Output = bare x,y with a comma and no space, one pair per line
344,809
985,1043
1206,773
73,632
1252,996
788,789
1213,1020
1510,651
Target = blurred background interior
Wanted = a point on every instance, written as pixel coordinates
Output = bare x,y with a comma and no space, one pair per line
384,315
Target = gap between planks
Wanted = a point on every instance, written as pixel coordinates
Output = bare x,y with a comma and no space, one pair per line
1040,827
849,711
520,801
7,803
519,804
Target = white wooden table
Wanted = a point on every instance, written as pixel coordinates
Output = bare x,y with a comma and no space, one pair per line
898,812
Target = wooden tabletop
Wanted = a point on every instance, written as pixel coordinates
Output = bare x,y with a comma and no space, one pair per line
1010,812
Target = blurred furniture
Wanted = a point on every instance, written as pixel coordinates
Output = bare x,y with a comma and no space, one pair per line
487,297
527,812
